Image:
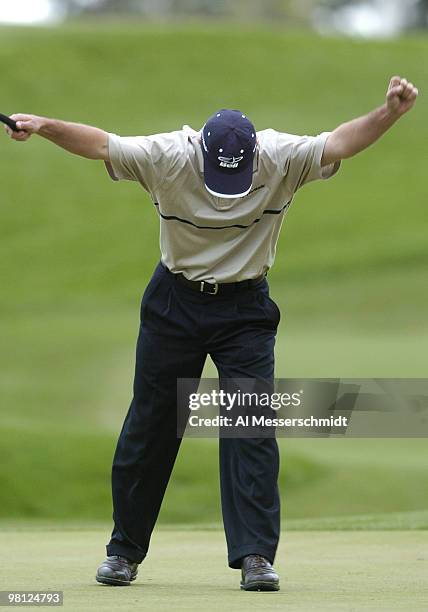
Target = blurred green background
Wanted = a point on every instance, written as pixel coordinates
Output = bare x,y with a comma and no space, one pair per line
77,250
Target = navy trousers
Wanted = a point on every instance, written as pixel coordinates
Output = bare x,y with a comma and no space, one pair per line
179,328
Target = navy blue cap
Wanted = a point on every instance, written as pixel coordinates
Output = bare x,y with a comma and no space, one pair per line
228,145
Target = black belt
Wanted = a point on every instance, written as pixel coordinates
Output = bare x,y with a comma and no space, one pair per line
218,288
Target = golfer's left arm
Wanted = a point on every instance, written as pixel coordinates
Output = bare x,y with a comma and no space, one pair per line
353,137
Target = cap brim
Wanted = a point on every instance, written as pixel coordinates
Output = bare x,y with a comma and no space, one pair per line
224,185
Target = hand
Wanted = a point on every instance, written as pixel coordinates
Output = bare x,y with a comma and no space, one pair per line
27,125
401,96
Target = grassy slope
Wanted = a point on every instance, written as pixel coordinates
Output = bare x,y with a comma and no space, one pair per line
76,251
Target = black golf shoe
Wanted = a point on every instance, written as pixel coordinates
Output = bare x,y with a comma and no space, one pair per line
258,574
117,571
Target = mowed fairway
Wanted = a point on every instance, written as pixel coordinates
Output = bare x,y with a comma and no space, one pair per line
186,570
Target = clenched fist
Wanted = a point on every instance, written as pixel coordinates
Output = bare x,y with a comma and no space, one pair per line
401,96
26,124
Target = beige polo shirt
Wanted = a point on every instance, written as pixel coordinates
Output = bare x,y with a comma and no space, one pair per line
209,238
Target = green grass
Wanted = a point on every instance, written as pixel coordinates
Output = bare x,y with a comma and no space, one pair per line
64,473
185,570
76,251
389,521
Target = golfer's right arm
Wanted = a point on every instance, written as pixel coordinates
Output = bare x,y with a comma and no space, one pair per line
83,140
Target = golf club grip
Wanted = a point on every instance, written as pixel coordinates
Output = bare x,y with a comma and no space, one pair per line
8,121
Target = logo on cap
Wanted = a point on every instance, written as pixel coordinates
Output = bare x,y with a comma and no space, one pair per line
230,162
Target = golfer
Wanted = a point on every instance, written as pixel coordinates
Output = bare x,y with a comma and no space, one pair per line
221,195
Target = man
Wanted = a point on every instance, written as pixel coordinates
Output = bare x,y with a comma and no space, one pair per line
221,195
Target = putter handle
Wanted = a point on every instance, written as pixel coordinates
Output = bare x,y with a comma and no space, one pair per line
8,121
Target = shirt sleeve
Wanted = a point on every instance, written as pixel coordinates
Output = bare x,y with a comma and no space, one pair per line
300,157
146,159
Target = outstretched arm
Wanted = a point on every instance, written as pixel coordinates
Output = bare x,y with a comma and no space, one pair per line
350,138
84,140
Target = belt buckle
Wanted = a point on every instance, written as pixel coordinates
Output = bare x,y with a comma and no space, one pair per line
215,285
